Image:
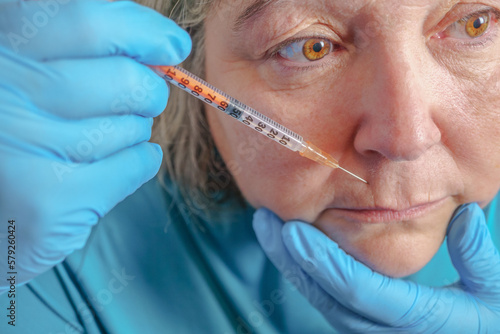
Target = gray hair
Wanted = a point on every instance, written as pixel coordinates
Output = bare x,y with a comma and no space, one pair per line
190,157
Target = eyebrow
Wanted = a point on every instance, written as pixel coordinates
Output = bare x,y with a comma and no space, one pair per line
252,11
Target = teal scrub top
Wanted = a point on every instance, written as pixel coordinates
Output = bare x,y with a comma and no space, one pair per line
150,266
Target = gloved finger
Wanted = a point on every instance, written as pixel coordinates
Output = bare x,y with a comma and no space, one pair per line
114,178
105,86
45,30
373,296
473,253
93,139
267,227
86,88
78,140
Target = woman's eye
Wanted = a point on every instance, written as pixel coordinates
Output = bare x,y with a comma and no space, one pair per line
306,50
471,26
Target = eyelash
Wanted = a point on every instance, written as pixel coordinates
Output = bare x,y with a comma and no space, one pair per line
473,43
482,40
275,53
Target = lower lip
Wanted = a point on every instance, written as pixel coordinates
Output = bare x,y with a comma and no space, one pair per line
389,216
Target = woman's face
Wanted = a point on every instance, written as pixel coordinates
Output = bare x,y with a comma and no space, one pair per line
404,93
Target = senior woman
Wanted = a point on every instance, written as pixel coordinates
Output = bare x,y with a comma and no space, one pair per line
404,93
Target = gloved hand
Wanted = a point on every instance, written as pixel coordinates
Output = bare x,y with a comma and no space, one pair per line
355,299
76,108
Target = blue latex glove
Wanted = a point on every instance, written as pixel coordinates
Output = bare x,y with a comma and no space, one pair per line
76,109
355,299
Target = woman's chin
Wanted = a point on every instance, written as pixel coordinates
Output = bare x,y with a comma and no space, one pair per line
392,247
395,249
395,257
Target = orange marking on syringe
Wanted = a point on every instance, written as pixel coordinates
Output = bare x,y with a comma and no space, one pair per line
193,85
246,115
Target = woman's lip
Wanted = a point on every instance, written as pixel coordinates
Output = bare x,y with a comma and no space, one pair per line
385,215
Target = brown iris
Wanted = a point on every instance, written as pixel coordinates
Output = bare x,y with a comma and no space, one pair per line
477,24
315,48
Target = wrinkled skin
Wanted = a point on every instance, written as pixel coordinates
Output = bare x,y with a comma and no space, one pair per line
402,101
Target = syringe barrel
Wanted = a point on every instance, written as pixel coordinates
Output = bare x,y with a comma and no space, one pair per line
246,115
230,106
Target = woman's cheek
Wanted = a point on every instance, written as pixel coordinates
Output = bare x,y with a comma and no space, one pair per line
266,173
474,138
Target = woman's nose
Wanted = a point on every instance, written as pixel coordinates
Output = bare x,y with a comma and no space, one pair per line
397,113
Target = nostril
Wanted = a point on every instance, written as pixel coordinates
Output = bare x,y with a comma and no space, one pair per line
396,142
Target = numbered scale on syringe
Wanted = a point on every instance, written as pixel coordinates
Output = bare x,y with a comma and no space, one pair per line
232,107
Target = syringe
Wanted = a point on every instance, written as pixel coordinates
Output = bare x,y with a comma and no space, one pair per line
246,115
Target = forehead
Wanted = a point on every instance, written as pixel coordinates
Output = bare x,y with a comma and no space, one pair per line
241,12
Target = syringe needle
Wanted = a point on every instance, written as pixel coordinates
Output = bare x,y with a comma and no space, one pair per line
345,170
314,153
